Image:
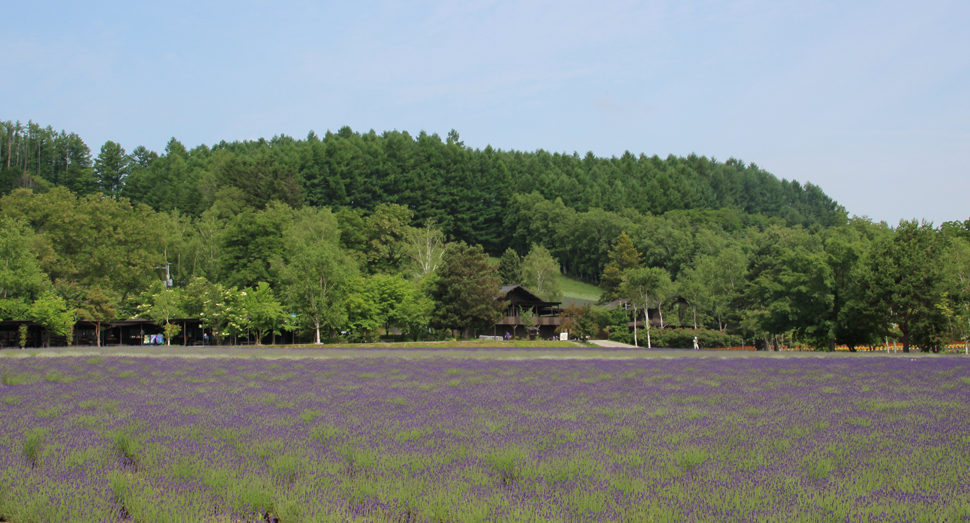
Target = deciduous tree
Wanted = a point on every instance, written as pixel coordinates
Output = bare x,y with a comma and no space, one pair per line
316,273
97,306
579,321
643,288
53,314
265,313
425,246
539,270
904,282
21,279
92,241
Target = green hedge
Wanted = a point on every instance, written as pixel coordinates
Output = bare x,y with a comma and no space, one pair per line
619,334
675,338
684,338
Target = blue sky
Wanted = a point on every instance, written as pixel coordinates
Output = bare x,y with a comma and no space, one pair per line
870,100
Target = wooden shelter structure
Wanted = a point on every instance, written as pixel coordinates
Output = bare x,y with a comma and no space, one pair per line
119,332
546,314
10,334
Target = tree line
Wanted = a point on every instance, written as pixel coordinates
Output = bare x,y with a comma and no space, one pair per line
465,191
99,258
858,284
722,246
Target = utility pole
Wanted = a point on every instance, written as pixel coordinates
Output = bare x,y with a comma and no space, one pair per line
168,275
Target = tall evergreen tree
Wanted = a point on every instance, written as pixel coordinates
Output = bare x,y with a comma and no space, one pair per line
509,267
466,291
623,257
111,168
261,181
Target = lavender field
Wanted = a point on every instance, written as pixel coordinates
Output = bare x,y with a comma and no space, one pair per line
445,439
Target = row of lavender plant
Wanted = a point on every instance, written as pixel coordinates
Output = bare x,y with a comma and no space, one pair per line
398,440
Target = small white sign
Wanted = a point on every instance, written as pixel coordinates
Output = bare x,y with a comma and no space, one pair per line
563,336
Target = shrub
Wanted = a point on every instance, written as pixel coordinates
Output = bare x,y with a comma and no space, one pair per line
621,334
684,338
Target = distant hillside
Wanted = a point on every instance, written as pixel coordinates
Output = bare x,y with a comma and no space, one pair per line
466,191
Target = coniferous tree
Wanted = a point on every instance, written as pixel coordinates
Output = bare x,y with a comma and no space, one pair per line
623,257
509,267
261,181
466,291
111,168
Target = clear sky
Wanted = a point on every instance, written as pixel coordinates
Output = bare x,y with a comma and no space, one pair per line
868,99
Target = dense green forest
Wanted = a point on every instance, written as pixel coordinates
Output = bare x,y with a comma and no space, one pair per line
725,246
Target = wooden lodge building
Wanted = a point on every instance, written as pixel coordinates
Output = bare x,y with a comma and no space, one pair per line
546,314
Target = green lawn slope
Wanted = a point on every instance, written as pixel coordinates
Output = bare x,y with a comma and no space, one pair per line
574,292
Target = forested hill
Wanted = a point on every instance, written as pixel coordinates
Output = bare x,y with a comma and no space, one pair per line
357,231
473,194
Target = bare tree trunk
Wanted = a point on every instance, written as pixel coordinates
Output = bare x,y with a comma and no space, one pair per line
646,317
635,319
